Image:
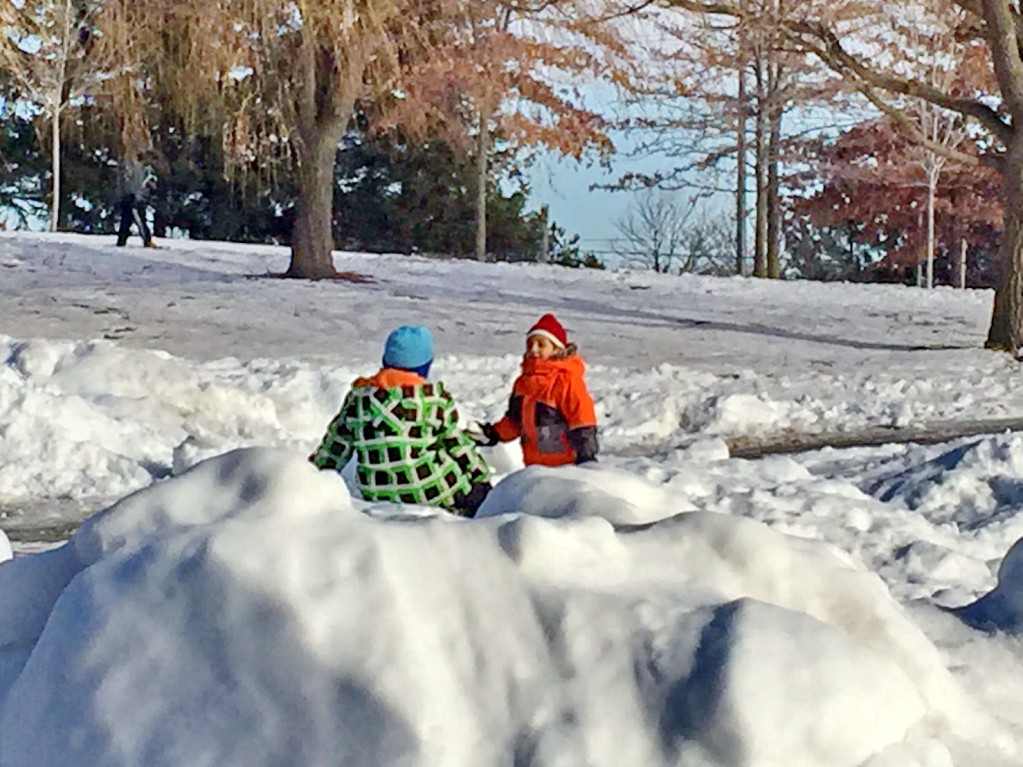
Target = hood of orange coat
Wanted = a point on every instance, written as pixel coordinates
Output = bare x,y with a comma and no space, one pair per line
390,378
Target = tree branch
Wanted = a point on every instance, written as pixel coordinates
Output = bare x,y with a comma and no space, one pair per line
918,136
1004,41
829,49
832,53
976,8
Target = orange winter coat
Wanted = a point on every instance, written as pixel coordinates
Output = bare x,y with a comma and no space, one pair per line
551,411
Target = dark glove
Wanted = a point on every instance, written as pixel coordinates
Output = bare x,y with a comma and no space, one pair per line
483,434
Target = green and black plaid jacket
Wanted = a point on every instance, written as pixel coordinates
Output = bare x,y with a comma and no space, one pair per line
407,442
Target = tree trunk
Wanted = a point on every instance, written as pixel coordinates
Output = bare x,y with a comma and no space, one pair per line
962,264
932,184
760,171
740,155
772,107
545,236
740,176
312,240
1006,331
1006,319
774,192
481,188
55,203
321,116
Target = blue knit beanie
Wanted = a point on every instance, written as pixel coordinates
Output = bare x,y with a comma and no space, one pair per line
409,347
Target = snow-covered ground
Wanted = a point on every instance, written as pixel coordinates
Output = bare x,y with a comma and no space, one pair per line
670,606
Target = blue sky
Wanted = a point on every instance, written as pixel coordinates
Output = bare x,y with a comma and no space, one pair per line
564,185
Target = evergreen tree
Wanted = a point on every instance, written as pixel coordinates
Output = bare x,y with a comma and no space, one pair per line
22,168
395,196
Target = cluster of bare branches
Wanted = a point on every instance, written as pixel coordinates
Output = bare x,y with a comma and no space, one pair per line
937,68
670,233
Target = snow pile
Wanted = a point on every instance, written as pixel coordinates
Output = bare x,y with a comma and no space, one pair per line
249,612
1001,609
974,484
739,414
108,420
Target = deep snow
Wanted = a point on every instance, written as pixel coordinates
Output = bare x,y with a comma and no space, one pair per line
669,606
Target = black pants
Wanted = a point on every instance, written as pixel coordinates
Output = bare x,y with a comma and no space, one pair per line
132,212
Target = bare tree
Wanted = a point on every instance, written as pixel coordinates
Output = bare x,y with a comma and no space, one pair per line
654,228
947,129
943,55
708,246
870,54
53,59
721,77
668,233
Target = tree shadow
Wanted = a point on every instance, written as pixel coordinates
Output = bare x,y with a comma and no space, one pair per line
352,277
596,309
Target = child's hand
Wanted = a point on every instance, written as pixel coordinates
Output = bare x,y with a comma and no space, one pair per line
483,434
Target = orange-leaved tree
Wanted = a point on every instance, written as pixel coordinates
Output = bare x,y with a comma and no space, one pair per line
287,79
511,79
275,78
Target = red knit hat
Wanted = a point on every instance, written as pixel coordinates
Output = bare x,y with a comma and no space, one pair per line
549,327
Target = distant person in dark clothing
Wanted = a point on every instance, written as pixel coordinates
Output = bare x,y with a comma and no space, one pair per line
133,211
132,206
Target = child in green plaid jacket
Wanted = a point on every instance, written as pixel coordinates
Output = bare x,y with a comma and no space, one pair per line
404,433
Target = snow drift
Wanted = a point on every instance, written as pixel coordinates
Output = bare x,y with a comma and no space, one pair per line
582,620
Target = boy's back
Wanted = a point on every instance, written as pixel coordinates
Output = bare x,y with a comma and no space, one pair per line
404,433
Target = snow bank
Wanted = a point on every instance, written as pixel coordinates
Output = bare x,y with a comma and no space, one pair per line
253,595
1001,609
109,420
972,484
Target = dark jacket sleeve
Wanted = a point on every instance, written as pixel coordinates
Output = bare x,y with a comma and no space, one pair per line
510,427
584,442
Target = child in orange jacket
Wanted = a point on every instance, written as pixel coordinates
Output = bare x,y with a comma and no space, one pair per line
550,410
